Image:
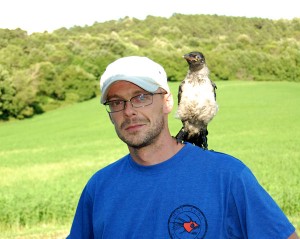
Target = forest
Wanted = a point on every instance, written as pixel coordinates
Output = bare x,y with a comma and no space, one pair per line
43,71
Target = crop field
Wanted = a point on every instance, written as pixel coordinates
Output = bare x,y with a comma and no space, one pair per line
46,161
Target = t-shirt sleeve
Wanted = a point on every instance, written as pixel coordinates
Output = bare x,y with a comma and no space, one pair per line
252,213
82,227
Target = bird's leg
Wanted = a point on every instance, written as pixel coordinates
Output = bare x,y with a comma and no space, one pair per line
181,135
200,139
204,145
203,135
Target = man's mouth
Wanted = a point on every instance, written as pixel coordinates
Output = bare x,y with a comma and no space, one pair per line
133,127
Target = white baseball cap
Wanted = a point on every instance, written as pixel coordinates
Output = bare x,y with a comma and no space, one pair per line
138,70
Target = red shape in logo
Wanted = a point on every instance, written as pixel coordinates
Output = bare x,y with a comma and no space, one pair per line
190,226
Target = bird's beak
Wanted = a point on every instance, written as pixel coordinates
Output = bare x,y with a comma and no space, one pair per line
188,57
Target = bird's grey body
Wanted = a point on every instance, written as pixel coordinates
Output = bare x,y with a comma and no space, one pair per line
197,104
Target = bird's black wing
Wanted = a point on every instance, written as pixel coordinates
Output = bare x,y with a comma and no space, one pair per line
214,89
180,92
182,134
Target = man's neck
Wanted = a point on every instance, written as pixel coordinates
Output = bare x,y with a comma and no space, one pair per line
155,153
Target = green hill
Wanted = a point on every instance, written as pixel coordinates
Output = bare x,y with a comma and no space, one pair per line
43,71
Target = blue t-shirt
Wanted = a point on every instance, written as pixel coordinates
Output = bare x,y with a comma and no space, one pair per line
195,194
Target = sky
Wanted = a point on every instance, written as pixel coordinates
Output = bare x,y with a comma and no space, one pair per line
48,15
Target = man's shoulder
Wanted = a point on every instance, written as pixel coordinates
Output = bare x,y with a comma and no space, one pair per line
108,171
215,159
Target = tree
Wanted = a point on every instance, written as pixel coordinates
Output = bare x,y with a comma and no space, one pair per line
7,93
25,102
79,84
49,83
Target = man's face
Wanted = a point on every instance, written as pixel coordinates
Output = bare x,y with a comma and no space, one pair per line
137,127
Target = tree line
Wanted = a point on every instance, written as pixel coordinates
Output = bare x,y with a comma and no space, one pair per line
42,71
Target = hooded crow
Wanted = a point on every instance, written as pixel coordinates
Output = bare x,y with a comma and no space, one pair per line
197,104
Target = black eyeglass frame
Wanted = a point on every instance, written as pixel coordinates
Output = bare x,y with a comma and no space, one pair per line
107,103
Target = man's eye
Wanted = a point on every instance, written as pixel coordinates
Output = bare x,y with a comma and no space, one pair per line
142,97
115,103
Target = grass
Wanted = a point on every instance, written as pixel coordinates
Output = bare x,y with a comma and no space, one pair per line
46,161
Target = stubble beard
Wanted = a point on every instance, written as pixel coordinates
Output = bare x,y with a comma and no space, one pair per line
139,140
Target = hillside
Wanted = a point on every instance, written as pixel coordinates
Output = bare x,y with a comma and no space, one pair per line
43,71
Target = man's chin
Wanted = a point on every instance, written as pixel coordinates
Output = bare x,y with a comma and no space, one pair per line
136,145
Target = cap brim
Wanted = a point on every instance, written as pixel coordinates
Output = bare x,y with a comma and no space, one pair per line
143,82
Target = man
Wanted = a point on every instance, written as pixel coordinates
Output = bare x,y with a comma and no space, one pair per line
163,189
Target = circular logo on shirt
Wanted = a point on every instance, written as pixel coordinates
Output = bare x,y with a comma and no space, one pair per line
187,222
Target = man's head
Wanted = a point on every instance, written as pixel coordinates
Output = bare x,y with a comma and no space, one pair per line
138,70
138,97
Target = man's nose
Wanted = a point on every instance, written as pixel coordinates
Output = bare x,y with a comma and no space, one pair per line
129,109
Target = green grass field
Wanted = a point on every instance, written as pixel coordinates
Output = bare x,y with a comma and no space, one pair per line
46,161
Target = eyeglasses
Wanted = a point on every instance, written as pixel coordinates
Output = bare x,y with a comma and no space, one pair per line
137,101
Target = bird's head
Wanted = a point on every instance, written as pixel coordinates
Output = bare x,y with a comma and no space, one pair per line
195,59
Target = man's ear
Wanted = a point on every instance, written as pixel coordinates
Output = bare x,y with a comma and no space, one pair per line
169,103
